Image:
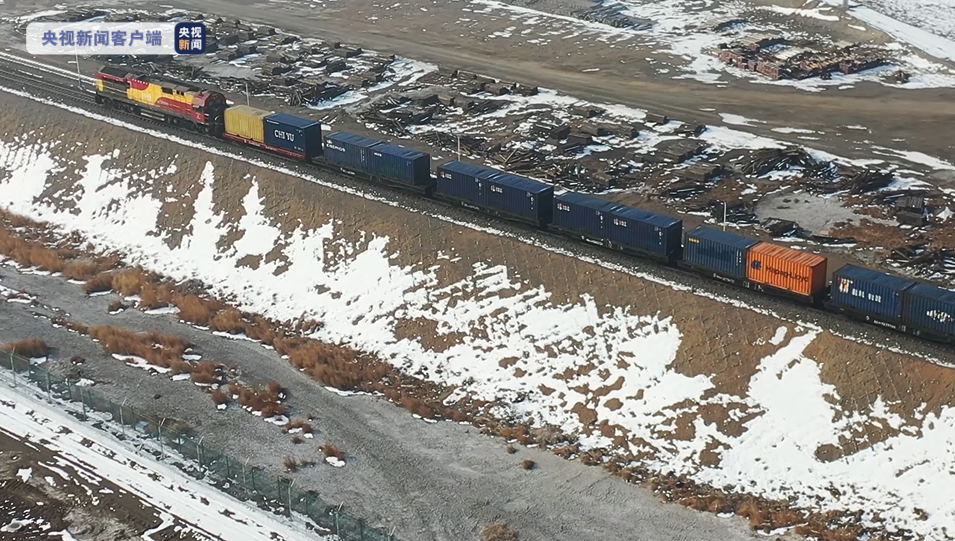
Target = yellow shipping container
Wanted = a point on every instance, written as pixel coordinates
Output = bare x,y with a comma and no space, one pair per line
247,122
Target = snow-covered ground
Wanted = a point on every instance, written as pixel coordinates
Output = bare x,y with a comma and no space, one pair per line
678,44
96,456
363,294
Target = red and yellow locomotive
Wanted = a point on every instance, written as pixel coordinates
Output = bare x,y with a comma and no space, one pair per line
175,103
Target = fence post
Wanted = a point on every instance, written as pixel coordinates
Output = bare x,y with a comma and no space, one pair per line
291,482
162,451
49,393
13,368
252,474
199,451
122,422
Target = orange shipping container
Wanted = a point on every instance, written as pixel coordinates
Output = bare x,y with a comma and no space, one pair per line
784,268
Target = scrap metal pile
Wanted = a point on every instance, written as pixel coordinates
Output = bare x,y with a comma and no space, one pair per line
920,260
778,58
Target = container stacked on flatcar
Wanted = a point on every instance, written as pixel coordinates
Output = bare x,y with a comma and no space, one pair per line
496,192
379,160
583,216
874,296
645,233
719,253
800,274
930,310
288,135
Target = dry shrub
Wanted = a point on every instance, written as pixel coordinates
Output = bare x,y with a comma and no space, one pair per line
274,387
193,309
115,306
228,321
156,348
31,347
751,510
296,440
306,428
153,296
714,503
511,449
99,283
304,462
330,450
80,270
178,366
219,397
205,372
74,326
785,518
130,281
290,464
32,253
528,464
499,532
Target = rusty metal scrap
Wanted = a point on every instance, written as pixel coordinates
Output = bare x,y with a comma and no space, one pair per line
447,141
923,260
764,161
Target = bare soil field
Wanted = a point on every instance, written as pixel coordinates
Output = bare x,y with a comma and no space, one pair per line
44,495
515,295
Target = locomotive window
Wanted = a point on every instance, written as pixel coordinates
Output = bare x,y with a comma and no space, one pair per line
166,90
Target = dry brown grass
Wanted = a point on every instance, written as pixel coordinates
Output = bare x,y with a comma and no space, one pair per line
115,306
219,397
298,423
194,310
31,253
528,464
499,532
205,372
232,321
290,464
297,440
99,283
330,450
80,270
264,400
70,324
30,347
156,348
130,281
511,449
153,296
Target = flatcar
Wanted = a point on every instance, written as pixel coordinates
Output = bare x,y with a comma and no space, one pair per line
910,306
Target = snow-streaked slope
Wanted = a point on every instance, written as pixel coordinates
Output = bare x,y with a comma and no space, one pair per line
361,294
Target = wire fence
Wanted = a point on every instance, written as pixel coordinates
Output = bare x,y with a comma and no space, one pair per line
237,478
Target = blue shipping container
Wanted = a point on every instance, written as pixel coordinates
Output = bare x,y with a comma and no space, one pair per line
401,164
349,149
718,250
583,213
464,181
875,293
930,307
647,231
294,133
521,196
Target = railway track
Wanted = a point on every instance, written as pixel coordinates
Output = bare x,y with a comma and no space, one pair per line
64,86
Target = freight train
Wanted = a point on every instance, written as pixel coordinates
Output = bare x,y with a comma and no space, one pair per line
909,306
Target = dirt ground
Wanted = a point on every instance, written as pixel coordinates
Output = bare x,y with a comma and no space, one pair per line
630,71
42,494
